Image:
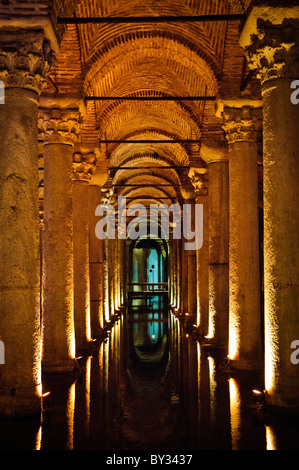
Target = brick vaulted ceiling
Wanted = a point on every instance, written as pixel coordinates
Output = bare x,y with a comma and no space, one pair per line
149,59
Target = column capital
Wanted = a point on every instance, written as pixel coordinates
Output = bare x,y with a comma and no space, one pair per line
83,166
199,180
57,125
242,124
212,152
270,38
26,58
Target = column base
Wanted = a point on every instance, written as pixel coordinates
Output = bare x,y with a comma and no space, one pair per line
213,344
53,368
243,365
22,404
282,404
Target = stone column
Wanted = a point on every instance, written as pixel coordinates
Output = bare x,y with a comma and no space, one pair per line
199,179
23,65
96,256
217,160
59,128
270,38
242,127
83,166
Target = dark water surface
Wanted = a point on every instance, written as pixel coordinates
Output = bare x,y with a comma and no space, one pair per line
149,386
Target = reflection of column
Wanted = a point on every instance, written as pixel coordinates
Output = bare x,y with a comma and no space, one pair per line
245,345
83,165
218,244
23,66
59,128
199,180
271,42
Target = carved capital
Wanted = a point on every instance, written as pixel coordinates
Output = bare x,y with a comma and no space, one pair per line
199,180
106,195
242,124
83,166
273,47
26,59
58,125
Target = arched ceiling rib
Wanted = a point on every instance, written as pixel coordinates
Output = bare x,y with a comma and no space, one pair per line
149,60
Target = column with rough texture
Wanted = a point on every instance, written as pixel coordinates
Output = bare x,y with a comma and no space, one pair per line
59,128
270,38
199,179
96,257
242,126
83,165
23,64
217,160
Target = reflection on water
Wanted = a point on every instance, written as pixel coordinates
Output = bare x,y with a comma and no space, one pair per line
151,386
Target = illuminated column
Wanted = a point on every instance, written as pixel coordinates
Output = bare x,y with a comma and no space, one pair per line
96,249
174,271
242,126
271,38
184,276
192,271
199,179
217,160
178,273
83,165
192,281
23,64
59,128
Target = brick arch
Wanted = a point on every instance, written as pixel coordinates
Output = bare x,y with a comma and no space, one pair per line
123,59
130,119
175,153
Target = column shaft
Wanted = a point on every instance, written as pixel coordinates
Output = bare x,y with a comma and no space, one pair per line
281,241
81,265
245,336
271,41
96,254
25,58
19,253
58,302
218,253
245,347
202,259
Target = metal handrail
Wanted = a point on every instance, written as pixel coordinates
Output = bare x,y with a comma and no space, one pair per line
148,286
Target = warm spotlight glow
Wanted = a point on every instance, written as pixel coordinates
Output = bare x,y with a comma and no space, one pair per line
87,386
271,351
38,441
88,326
271,443
212,319
234,336
212,312
39,390
235,412
70,413
213,384
256,392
